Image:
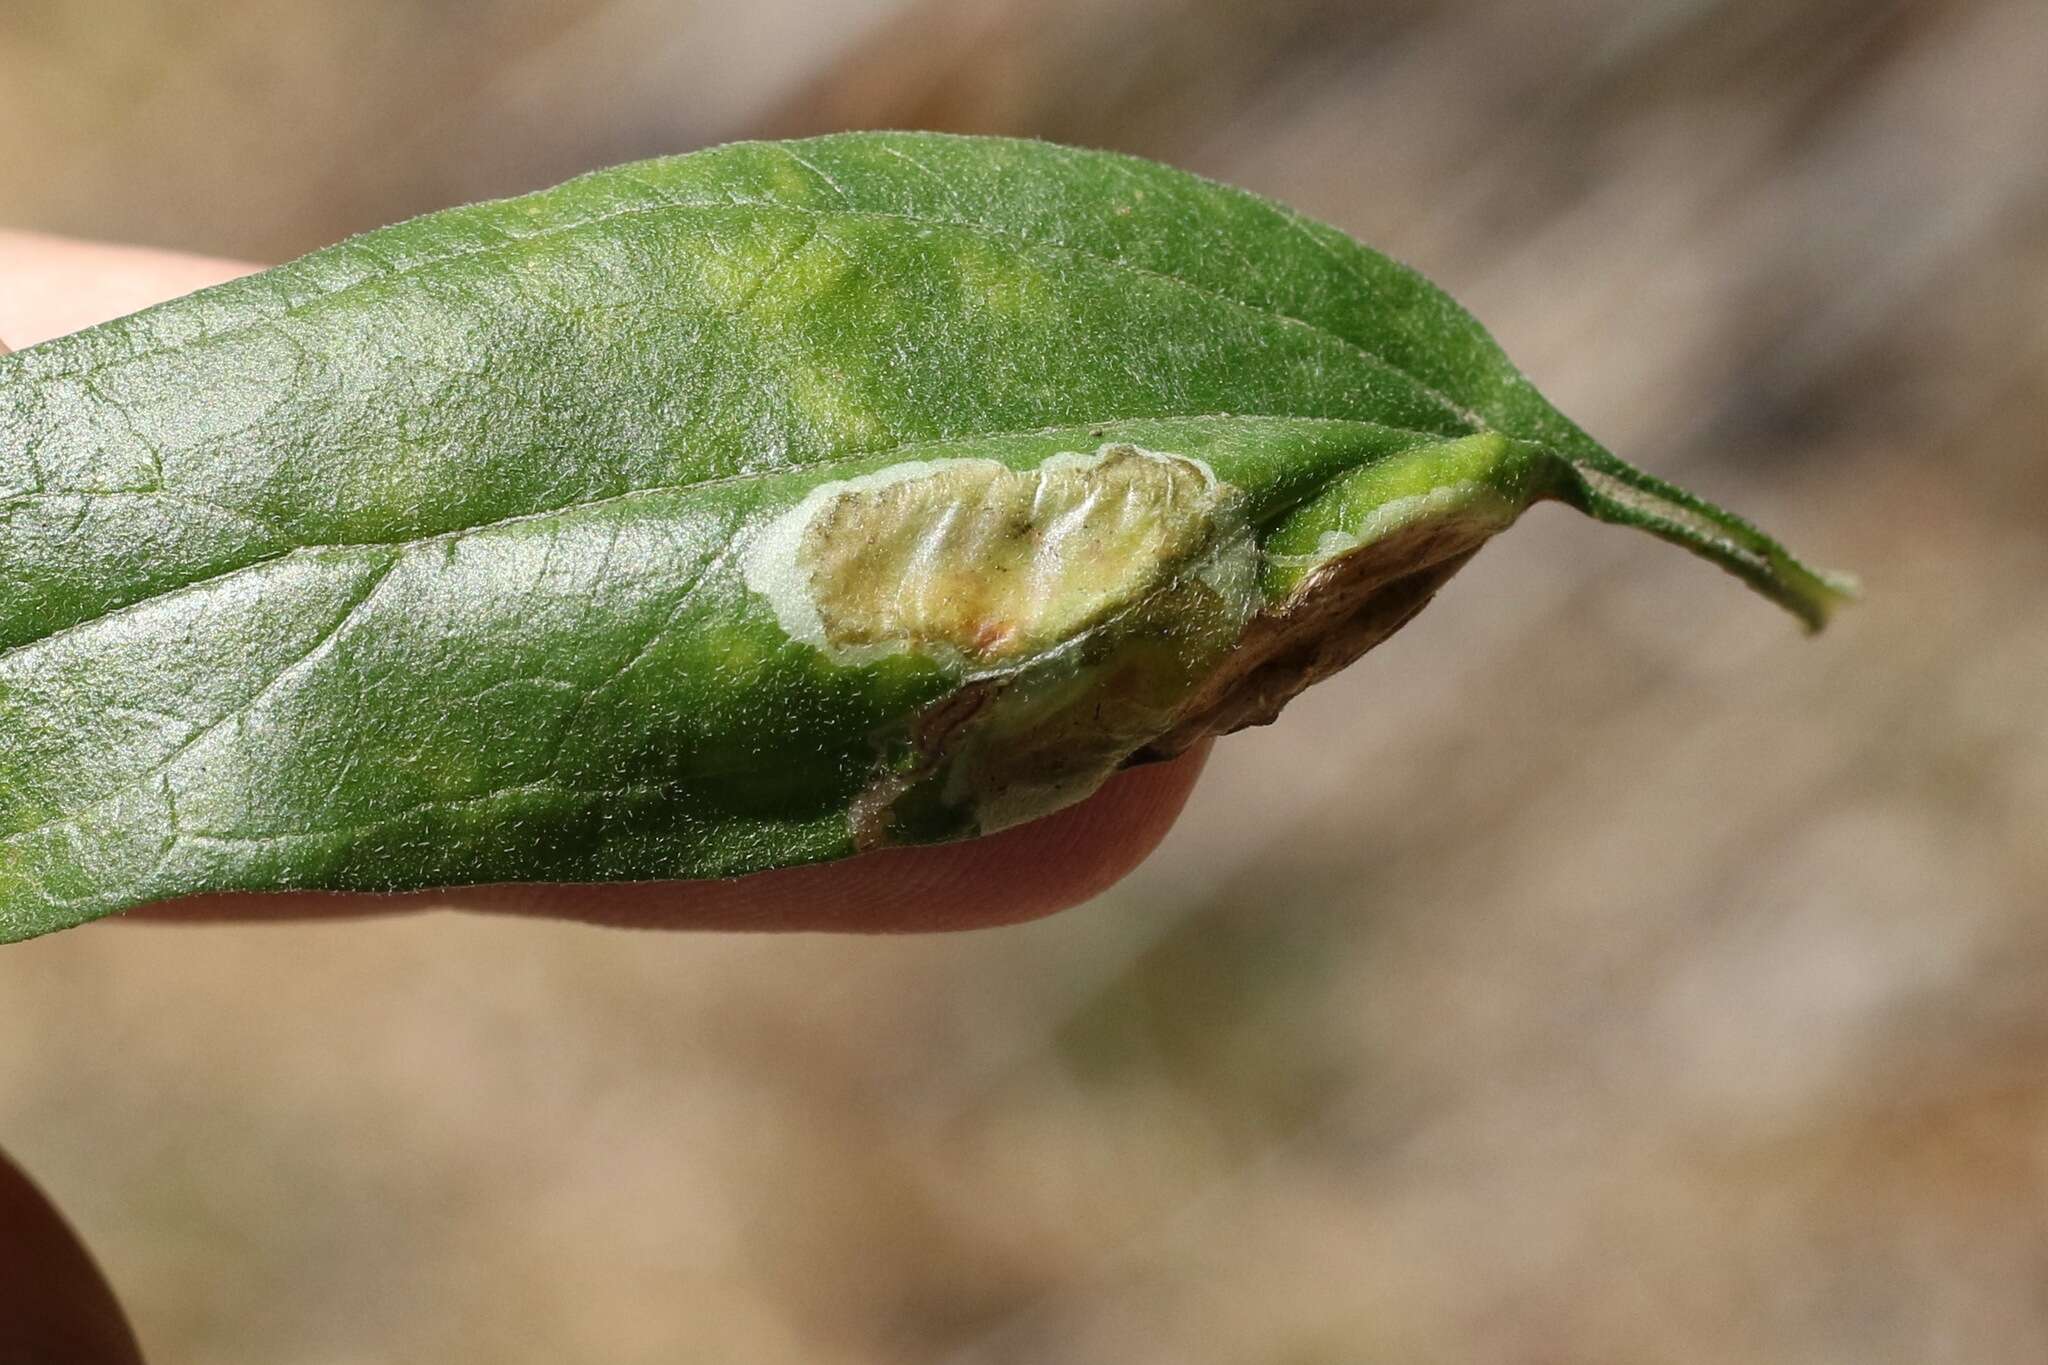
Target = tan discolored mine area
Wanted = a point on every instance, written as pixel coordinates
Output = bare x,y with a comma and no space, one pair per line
1009,747
1332,617
972,560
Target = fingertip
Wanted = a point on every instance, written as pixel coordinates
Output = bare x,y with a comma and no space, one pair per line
1018,874
55,1305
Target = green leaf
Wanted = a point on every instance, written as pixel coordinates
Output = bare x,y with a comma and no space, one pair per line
725,512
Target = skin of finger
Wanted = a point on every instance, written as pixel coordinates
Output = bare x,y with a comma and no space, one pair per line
53,285
1018,874
54,1303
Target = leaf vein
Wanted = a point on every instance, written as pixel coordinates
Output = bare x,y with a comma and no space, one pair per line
242,709
456,534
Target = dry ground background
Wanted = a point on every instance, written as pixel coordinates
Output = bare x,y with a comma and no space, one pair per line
1599,972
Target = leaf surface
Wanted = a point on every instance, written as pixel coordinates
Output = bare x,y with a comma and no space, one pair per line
433,558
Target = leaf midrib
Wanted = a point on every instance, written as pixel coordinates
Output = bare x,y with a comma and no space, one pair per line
843,213
406,544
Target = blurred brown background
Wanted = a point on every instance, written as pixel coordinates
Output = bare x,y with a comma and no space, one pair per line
1599,972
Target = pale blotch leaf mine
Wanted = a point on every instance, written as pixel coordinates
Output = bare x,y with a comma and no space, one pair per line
970,561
